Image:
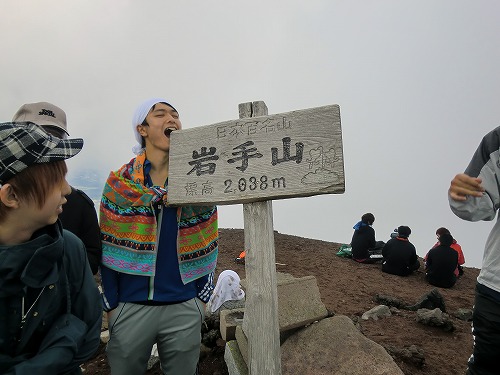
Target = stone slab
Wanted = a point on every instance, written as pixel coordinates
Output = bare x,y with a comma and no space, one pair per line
299,301
229,319
234,361
242,341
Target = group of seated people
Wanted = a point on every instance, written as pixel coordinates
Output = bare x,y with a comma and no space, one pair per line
442,264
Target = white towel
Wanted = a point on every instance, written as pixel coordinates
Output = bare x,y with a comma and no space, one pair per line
227,289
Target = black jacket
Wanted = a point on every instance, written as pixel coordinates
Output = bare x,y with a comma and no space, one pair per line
440,265
61,304
79,217
362,240
400,257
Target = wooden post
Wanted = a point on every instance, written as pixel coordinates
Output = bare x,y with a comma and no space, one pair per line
260,321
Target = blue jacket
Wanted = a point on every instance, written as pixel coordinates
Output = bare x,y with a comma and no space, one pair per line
166,286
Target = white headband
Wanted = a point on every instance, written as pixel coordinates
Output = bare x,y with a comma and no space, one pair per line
139,116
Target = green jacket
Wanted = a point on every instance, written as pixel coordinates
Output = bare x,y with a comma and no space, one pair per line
47,279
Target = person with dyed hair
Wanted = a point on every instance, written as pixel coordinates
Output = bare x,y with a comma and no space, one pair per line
50,307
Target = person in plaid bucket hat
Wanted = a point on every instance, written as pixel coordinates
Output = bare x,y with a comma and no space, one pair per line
79,215
49,301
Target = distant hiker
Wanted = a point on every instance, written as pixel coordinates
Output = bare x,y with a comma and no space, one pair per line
363,244
400,256
227,289
79,215
240,259
459,271
50,308
441,262
473,196
158,261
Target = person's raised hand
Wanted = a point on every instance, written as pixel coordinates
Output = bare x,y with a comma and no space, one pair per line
463,185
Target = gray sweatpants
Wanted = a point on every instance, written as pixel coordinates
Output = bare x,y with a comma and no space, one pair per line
176,329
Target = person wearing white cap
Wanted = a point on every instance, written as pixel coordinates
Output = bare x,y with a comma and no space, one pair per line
79,215
50,312
158,261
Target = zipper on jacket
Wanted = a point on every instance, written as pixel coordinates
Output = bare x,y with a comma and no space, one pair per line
151,292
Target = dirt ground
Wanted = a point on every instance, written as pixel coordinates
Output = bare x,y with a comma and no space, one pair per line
349,288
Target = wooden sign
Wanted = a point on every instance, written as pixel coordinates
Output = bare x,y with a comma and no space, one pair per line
293,154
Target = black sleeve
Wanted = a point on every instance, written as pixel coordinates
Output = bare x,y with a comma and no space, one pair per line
91,237
414,255
373,242
80,217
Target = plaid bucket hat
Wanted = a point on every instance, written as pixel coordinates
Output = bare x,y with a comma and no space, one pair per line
24,143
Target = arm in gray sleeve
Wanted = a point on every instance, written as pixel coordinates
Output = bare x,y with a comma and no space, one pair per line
485,164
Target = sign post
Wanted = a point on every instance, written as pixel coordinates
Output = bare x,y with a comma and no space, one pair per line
261,323
254,160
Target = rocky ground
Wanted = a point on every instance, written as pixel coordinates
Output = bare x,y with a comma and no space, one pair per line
349,288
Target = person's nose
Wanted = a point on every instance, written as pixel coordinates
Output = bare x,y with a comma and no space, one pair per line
171,120
66,189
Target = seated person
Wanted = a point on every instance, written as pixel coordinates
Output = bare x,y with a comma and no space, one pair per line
400,256
459,271
441,263
363,242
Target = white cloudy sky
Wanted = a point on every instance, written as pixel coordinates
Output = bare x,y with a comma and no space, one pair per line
418,84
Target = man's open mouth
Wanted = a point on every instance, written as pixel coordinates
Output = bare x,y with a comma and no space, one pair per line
168,131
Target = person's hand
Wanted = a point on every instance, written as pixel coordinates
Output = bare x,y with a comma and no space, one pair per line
463,185
109,314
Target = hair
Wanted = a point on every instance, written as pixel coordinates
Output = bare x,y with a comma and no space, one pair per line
404,231
34,183
368,218
446,239
441,231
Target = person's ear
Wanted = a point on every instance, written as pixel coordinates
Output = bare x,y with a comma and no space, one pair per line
141,130
8,196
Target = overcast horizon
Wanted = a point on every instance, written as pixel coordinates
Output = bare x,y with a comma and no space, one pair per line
417,83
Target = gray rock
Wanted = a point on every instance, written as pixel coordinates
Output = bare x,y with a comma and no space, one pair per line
390,301
463,314
234,361
154,358
435,318
327,347
413,355
377,312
